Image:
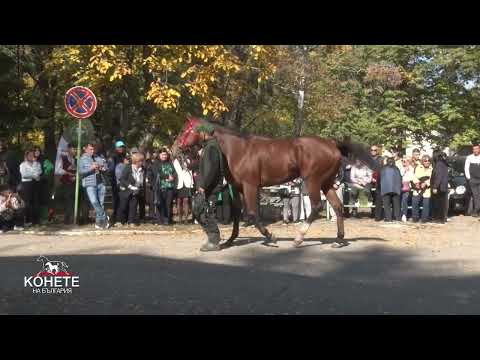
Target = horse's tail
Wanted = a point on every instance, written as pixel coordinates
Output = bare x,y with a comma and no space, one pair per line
355,151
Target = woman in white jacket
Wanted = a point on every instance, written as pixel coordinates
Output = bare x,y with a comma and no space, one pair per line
407,172
30,171
184,189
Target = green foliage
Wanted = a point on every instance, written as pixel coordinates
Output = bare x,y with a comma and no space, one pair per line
373,94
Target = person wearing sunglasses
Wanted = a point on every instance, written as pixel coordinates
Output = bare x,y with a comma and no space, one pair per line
421,192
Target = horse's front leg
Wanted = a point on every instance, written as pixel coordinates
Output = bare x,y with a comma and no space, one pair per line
250,196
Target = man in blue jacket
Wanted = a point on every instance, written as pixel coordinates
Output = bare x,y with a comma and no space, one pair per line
390,185
91,170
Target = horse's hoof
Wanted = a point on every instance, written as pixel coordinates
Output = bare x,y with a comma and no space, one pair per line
298,240
297,243
339,244
210,247
272,239
227,244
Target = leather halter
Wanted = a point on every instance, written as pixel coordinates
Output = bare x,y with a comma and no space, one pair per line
188,130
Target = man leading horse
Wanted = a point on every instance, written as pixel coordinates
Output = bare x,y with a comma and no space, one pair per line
257,161
210,183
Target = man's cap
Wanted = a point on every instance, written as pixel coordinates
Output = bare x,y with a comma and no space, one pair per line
206,128
120,143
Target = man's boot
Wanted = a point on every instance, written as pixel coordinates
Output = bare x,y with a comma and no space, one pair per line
212,244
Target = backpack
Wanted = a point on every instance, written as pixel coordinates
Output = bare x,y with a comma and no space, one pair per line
14,204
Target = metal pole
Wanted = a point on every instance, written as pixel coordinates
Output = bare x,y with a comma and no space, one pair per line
77,178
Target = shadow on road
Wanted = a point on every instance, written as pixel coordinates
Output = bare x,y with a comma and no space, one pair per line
241,240
374,280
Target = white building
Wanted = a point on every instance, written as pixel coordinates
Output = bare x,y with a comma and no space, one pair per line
424,146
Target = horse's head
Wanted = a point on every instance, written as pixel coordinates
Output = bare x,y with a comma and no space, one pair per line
188,137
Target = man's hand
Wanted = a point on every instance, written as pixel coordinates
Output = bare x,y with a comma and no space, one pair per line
202,190
94,166
170,178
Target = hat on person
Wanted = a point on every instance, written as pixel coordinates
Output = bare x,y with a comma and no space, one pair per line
205,127
120,143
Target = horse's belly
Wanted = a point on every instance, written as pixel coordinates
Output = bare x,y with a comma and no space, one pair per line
276,173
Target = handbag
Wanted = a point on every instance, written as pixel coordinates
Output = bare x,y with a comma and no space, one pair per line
405,186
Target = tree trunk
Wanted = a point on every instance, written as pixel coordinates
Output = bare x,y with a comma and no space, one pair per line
299,116
49,94
50,141
234,118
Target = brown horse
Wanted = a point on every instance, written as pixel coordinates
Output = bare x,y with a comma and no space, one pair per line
257,161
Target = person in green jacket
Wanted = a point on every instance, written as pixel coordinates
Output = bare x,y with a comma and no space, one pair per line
164,188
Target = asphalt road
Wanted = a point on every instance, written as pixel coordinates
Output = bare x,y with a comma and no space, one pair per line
397,269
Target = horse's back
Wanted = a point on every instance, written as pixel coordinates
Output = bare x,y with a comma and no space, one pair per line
288,148
282,159
319,145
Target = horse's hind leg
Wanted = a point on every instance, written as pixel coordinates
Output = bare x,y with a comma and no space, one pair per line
314,193
236,214
337,205
250,197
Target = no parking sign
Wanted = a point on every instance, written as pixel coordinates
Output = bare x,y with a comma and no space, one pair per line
81,103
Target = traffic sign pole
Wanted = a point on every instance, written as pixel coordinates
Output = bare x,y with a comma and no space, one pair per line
77,178
81,103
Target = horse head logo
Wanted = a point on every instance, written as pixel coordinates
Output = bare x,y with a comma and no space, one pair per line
52,267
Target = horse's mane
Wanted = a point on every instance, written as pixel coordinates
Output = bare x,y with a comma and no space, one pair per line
242,134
